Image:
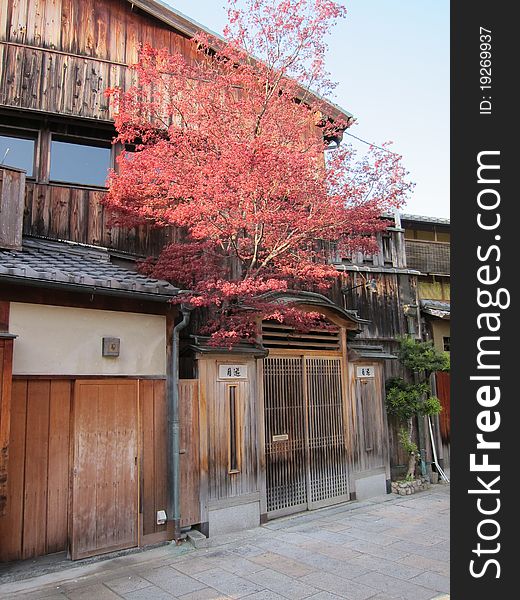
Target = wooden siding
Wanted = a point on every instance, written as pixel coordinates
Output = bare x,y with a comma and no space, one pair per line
383,308
190,451
217,483
36,518
443,381
78,215
153,481
104,514
6,366
367,420
428,256
59,56
12,187
38,507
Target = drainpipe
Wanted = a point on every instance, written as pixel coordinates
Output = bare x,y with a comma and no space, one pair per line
174,475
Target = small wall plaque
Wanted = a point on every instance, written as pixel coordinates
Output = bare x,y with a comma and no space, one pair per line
232,371
283,437
111,346
367,372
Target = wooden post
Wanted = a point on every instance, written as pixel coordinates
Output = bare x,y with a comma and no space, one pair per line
6,369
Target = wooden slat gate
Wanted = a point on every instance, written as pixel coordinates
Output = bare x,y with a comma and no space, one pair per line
306,458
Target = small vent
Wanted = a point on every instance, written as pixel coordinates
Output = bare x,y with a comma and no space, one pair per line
277,335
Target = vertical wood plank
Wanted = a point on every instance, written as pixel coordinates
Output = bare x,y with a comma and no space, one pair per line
11,524
147,474
189,445
58,480
83,521
36,469
104,507
18,26
160,448
6,367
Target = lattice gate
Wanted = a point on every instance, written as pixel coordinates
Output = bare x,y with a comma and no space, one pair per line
306,459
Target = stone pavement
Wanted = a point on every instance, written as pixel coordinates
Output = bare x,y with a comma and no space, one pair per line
391,547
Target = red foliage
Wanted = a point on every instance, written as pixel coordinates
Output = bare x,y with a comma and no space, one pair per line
227,148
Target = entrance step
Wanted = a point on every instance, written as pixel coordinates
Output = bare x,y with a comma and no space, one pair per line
197,539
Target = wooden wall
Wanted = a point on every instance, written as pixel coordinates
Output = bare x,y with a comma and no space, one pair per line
36,518
443,381
12,189
60,55
190,451
384,308
217,483
77,214
366,418
6,365
36,521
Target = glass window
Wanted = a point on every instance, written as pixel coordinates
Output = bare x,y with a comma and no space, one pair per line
234,436
17,152
84,163
446,343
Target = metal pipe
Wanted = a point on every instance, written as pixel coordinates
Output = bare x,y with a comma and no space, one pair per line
174,475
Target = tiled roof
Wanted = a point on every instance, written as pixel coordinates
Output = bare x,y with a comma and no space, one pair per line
65,264
436,308
424,219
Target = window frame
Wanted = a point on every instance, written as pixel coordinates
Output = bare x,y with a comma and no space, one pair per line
79,140
24,133
234,421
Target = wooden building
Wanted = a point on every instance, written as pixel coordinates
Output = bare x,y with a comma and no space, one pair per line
87,350
404,289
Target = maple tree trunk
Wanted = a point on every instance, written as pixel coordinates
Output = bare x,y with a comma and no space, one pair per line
412,460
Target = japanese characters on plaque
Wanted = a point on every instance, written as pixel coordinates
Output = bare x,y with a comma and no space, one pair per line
365,372
232,371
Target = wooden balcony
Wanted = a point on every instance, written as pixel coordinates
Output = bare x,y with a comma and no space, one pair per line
428,257
77,214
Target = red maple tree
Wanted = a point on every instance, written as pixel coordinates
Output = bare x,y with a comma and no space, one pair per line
230,147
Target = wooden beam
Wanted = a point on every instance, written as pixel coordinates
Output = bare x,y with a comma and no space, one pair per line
6,367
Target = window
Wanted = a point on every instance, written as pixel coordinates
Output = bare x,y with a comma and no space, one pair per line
17,151
446,343
234,428
82,162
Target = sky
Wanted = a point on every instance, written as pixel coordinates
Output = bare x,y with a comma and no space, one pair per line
391,61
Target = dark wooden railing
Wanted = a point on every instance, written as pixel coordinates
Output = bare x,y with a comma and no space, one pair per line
428,257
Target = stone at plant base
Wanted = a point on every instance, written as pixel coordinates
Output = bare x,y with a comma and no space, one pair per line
406,488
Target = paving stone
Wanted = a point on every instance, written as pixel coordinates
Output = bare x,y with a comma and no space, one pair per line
325,596
344,588
248,550
127,584
265,595
239,565
203,594
283,564
227,583
97,591
438,552
396,587
172,581
338,553
374,537
342,553
148,593
427,564
434,581
282,584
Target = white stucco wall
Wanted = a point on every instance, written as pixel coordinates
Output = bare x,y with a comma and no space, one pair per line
56,340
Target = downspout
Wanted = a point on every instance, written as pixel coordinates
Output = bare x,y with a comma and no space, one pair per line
174,475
